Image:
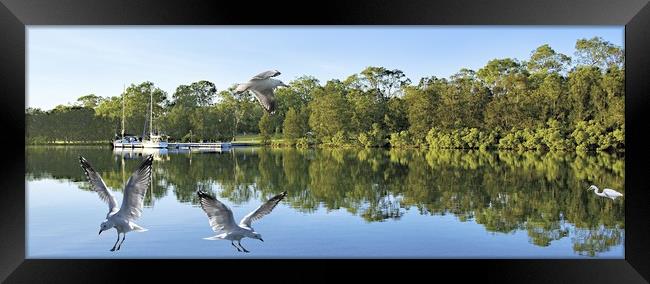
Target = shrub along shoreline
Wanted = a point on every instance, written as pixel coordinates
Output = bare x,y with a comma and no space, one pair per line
587,137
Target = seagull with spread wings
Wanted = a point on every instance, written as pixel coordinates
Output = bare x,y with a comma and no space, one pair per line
121,218
262,85
222,222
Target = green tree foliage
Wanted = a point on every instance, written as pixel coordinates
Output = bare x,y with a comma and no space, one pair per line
330,112
396,118
294,126
373,138
266,128
136,108
464,100
244,111
584,93
422,102
340,139
297,96
504,76
465,138
177,122
365,109
90,101
190,111
545,60
199,93
402,139
597,52
382,82
552,98
613,83
66,124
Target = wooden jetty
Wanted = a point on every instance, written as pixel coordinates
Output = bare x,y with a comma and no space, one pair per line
173,145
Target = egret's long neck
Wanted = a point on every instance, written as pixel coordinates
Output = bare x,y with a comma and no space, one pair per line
596,191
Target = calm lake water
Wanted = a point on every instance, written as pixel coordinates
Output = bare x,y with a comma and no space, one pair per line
341,203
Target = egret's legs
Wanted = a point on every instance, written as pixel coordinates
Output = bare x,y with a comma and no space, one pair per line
118,239
233,244
239,242
123,237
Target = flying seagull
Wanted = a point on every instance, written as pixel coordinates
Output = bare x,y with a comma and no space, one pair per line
262,86
607,192
122,218
223,223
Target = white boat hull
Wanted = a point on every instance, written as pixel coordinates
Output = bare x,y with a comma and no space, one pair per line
149,144
117,144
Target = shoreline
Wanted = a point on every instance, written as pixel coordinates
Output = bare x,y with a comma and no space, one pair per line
621,152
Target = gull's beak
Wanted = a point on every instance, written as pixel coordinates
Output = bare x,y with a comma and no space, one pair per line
100,232
261,239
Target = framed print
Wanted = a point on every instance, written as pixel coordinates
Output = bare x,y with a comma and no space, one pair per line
500,137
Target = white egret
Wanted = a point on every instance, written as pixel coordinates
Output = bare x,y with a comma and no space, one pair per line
607,192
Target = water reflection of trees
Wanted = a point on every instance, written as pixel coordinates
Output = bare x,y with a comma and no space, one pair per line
542,193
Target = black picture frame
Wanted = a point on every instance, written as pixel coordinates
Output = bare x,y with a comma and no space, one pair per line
15,15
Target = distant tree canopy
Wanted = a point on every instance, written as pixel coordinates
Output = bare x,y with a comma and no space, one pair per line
136,100
548,101
66,123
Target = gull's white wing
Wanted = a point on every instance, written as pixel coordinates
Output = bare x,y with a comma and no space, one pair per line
262,211
135,190
98,185
219,215
266,74
266,99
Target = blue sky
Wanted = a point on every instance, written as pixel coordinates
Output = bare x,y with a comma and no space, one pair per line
64,63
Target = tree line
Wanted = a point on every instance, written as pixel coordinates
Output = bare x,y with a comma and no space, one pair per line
550,101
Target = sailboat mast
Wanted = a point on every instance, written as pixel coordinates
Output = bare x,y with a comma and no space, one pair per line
123,104
151,115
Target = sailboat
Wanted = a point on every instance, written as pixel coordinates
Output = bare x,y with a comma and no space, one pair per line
125,140
154,140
